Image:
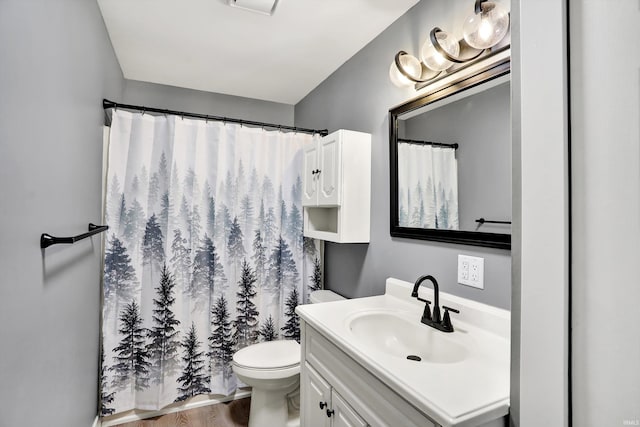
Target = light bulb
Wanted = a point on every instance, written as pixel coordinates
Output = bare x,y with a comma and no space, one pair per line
410,65
487,28
434,59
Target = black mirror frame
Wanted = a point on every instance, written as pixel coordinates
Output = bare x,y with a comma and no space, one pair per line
474,238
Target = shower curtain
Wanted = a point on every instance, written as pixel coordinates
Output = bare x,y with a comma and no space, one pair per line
204,254
427,186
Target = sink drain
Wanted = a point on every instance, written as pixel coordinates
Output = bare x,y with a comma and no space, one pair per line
414,357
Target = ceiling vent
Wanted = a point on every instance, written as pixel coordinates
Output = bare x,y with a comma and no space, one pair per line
265,7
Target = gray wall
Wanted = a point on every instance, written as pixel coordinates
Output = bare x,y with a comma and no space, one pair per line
605,160
481,125
358,96
57,65
215,104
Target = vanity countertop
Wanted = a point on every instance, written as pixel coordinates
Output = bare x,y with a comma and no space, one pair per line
465,384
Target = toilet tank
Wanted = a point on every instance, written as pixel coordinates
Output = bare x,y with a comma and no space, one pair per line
324,296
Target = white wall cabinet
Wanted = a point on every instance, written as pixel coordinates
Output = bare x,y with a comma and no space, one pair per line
336,195
323,171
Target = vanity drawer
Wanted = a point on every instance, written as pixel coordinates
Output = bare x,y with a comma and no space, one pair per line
378,404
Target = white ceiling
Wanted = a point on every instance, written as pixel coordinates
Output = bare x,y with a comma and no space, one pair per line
209,46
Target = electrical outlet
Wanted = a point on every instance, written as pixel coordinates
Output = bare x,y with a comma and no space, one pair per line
465,269
471,271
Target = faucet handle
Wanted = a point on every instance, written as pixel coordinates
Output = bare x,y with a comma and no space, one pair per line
426,314
446,319
450,309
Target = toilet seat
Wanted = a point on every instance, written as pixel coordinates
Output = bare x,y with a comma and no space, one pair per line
268,360
266,374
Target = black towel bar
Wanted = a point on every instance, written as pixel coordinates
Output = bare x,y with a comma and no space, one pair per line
47,240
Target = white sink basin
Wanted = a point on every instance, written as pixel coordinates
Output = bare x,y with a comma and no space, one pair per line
393,333
462,378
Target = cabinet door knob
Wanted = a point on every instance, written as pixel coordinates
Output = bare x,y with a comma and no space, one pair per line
330,412
323,405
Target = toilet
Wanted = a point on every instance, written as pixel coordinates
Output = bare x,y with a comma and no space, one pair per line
272,369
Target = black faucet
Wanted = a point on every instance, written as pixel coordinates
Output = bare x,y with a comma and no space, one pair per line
429,318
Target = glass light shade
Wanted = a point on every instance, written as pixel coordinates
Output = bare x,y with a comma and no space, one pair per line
432,58
487,28
410,65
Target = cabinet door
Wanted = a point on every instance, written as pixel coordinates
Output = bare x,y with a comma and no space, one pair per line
316,399
330,170
344,415
310,178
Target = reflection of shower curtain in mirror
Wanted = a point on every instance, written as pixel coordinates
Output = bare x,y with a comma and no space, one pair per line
205,254
427,186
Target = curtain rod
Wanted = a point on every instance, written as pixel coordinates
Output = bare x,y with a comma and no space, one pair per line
435,144
110,104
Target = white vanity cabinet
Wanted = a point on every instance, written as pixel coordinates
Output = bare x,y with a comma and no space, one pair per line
344,415
337,187
354,397
323,406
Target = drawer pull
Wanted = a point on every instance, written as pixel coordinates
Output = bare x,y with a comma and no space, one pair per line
330,412
323,405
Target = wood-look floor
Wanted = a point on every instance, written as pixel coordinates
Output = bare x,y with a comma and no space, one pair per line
231,414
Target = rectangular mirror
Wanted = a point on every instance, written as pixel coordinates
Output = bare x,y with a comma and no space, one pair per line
450,157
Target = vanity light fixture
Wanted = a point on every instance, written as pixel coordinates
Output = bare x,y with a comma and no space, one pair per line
482,30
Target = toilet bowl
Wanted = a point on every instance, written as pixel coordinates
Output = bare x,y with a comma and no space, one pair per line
272,369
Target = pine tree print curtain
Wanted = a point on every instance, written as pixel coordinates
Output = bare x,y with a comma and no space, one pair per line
204,255
427,186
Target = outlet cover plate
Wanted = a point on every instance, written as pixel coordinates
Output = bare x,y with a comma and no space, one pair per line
471,271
